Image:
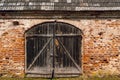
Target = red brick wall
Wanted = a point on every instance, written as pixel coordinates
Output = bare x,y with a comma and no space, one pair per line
12,52
100,48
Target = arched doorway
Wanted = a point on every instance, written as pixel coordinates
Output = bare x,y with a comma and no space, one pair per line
53,49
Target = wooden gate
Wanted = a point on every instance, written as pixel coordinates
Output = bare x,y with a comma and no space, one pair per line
53,49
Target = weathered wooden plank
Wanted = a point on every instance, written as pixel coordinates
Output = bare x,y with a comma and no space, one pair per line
70,56
51,35
39,53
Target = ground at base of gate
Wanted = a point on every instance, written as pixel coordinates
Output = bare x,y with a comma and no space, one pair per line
77,78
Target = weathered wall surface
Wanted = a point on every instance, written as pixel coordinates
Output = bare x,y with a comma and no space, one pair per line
100,49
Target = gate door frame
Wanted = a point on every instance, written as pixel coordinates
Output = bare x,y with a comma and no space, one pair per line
58,42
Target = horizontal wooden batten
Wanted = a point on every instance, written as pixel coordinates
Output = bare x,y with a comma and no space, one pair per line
30,72
50,35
